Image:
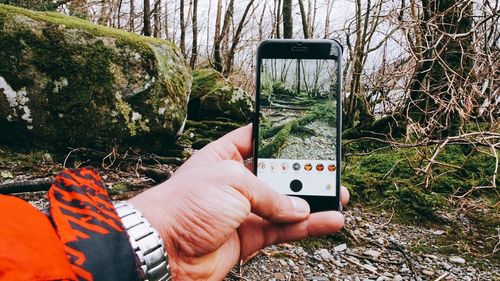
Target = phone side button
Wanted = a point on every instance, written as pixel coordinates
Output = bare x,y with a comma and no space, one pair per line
296,185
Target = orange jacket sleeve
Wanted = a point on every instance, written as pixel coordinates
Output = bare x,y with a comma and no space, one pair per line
83,240
29,246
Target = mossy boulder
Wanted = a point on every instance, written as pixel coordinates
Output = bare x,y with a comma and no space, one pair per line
214,96
67,82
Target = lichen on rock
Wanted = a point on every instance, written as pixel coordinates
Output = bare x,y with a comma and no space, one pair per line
67,82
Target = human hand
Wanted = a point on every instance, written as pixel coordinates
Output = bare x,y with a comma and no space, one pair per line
213,211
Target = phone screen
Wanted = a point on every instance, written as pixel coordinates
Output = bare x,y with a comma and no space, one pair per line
297,132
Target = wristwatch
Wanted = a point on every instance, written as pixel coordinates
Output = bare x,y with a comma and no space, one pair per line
151,258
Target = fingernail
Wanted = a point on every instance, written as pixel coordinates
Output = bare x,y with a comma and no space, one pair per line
300,205
339,217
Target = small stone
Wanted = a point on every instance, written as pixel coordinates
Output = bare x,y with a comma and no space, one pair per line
404,270
397,278
338,263
283,262
381,278
388,274
337,272
358,218
431,257
471,269
372,253
6,175
456,259
340,248
438,232
325,255
446,265
318,278
47,158
428,272
279,276
321,267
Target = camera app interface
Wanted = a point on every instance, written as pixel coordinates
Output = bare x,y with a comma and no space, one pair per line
297,126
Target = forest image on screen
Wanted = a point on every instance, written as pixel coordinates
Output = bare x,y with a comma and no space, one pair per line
297,125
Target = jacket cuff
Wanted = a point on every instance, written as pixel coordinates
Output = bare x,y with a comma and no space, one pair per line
86,221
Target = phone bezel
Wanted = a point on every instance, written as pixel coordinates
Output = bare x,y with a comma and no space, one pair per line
316,49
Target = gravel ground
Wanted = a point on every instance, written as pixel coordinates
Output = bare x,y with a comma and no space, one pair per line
377,249
321,145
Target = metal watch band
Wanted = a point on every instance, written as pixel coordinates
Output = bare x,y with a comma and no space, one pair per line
146,243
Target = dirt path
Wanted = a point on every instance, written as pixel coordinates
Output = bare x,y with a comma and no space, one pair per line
318,136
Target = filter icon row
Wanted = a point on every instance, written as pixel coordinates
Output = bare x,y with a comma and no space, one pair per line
284,167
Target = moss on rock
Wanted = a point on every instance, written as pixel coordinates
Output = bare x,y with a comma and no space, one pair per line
68,82
213,96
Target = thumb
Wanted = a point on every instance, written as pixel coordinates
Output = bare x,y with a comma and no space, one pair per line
264,201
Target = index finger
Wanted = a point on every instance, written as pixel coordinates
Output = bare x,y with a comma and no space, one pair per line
235,145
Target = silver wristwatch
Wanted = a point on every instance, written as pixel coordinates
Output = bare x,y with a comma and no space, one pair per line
146,243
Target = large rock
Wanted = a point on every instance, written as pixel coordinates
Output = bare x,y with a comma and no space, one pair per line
67,82
213,96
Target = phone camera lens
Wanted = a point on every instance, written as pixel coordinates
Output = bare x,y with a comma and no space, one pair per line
296,185
296,166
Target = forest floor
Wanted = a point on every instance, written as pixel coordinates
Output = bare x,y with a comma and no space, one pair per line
375,244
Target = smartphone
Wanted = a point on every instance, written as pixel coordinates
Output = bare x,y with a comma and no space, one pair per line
297,119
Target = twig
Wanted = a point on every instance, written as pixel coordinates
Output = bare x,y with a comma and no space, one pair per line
432,160
389,220
361,265
442,276
156,174
400,249
351,234
373,259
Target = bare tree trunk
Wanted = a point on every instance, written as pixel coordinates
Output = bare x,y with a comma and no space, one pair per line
208,26
220,37
118,14
366,24
312,23
287,19
167,33
156,17
105,13
194,52
131,20
278,19
303,15
327,21
444,67
236,40
183,28
261,21
147,19
79,8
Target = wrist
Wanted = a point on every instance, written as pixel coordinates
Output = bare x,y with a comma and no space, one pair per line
155,211
149,251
